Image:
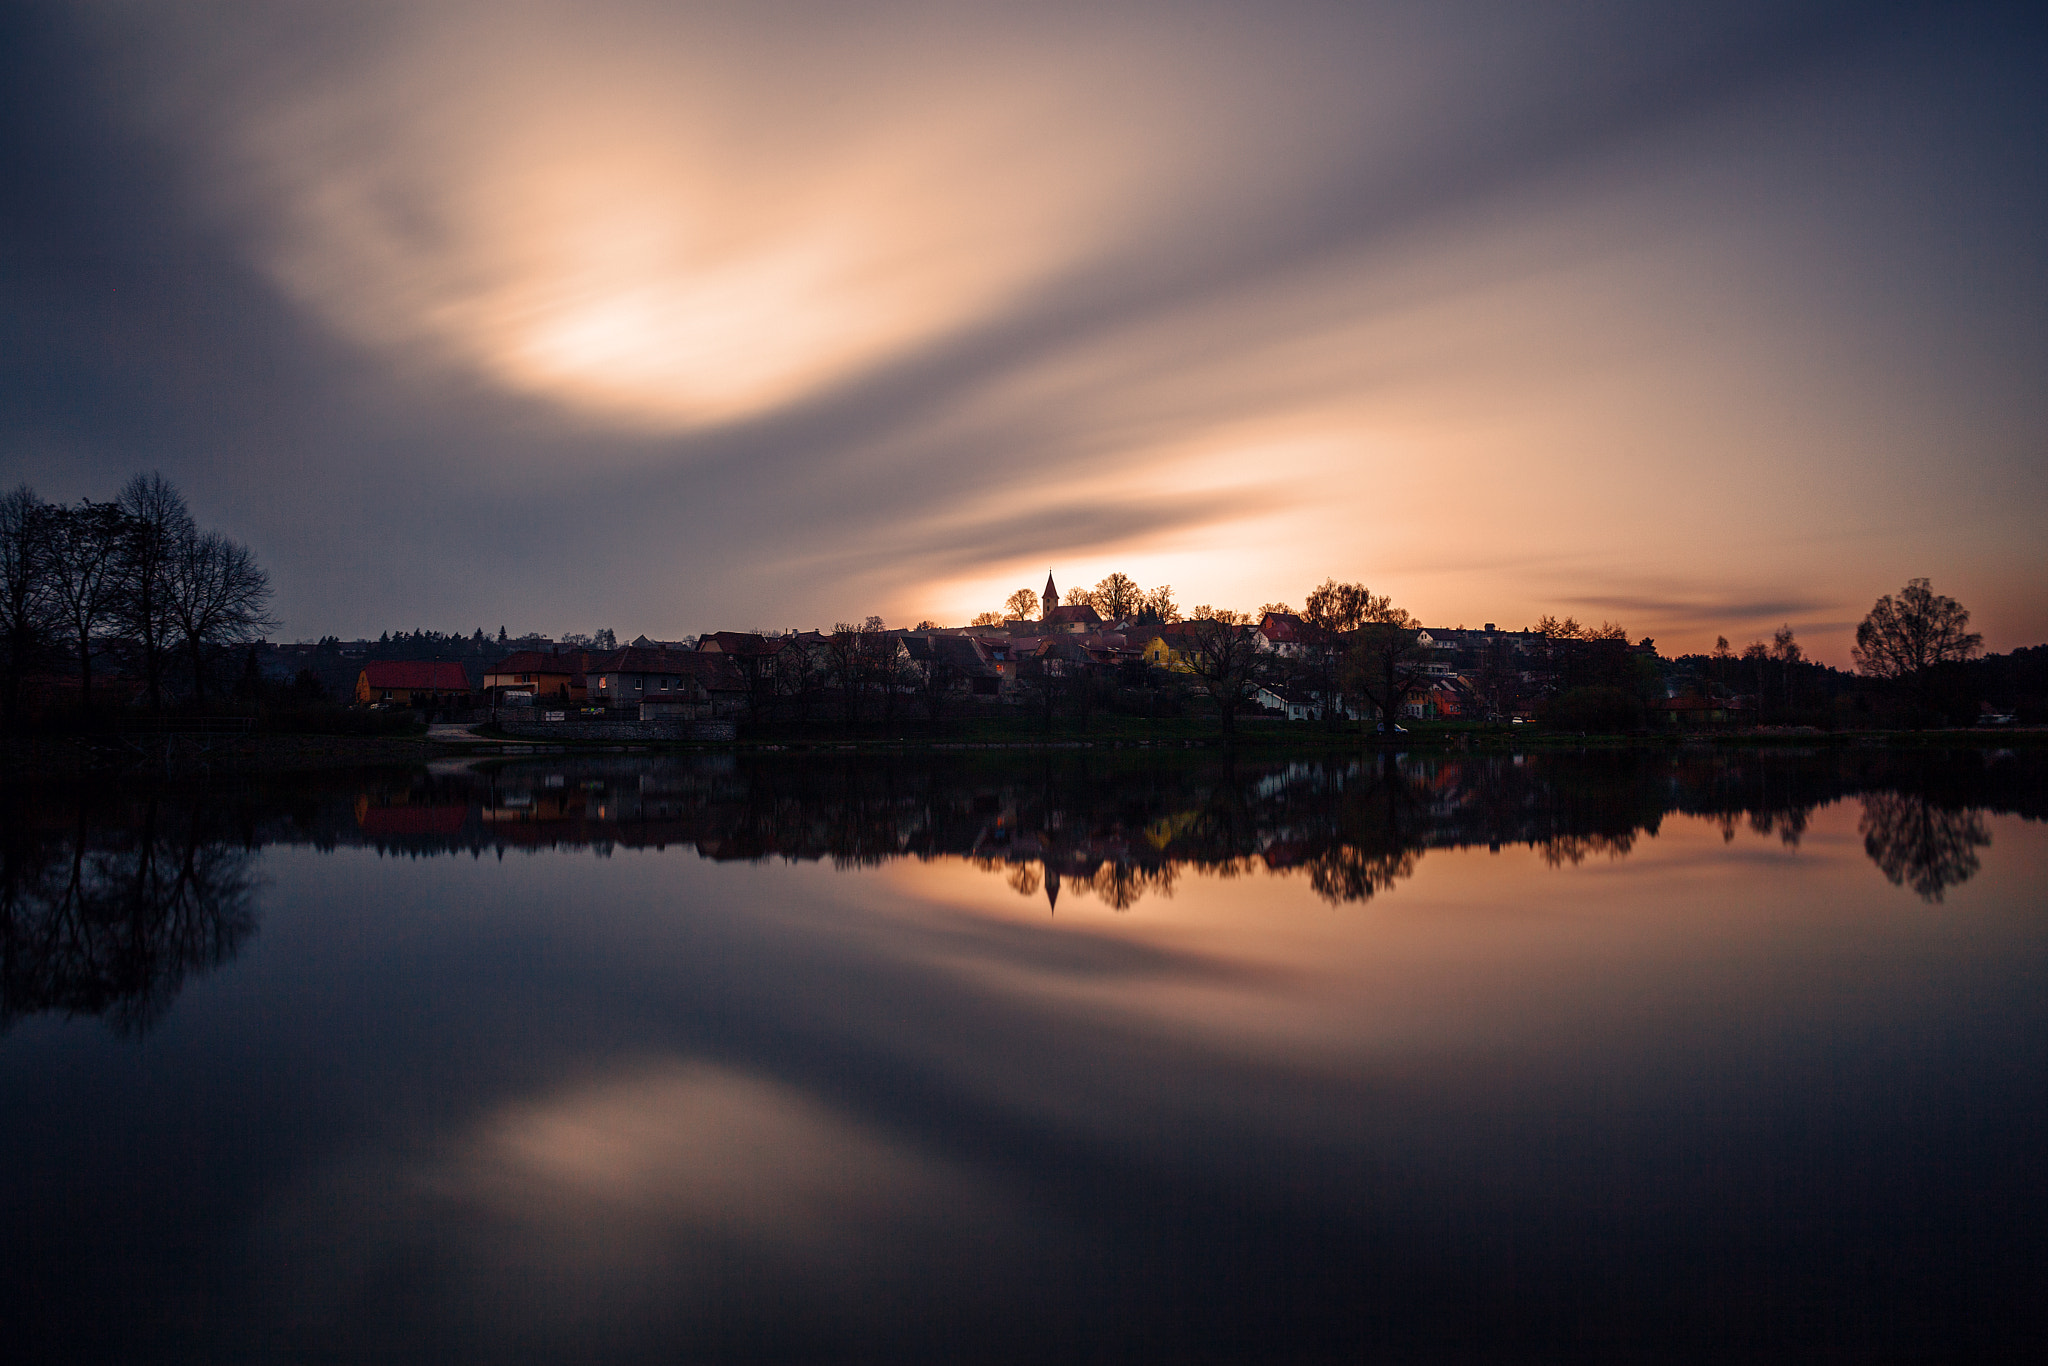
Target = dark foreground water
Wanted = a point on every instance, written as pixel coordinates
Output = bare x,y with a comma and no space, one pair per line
1090,1057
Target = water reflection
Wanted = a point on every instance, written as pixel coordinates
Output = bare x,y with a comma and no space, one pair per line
482,1096
1121,828
107,907
106,911
1917,844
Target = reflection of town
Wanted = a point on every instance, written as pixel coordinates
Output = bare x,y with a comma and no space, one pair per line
112,897
1122,828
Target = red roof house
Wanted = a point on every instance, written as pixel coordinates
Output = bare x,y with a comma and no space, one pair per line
410,682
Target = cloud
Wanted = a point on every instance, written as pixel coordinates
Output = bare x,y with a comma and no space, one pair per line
1702,612
790,313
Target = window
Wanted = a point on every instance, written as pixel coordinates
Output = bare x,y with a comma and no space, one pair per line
639,683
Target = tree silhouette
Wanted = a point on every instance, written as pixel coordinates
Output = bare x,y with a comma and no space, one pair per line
1904,640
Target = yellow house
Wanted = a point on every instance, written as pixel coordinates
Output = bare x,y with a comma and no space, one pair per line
548,674
1169,650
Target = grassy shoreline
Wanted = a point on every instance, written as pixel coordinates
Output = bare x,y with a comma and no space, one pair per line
271,753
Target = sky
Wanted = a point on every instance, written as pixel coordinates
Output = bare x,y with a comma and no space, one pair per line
1699,318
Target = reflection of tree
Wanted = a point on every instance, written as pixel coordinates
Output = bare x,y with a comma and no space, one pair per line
1131,822
1120,885
110,921
1345,872
1919,845
1576,849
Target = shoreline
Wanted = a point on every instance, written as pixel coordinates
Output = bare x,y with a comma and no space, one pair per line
58,755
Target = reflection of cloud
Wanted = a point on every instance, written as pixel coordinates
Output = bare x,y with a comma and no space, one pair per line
675,1145
635,1196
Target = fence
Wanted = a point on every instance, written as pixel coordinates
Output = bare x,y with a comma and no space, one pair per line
660,731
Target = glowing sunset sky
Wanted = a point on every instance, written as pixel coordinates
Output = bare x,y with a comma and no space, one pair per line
677,317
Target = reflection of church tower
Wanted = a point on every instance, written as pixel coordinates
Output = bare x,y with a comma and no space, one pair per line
1052,887
1051,597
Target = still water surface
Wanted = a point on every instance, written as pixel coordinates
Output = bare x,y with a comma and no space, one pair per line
1077,1056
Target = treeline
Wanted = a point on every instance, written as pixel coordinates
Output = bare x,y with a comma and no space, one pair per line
133,583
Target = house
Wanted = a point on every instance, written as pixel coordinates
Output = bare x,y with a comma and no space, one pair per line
1692,711
1054,617
411,683
744,644
546,674
1298,703
1167,649
962,659
1286,634
1080,617
1442,698
1063,657
708,680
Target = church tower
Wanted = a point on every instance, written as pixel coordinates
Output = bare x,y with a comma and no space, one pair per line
1051,597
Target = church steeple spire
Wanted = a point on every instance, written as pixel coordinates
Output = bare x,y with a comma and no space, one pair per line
1050,597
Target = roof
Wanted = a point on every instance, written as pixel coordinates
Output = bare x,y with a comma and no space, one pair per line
962,653
538,662
1285,626
420,675
715,671
1078,612
739,643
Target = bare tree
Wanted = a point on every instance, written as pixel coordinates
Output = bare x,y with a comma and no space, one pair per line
1117,597
159,527
1040,679
859,656
987,619
1336,607
1904,640
844,661
1223,655
1385,658
1021,605
1159,605
1079,597
934,672
794,672
1497,681
85,546
887,666
220,597
1786,650
26,616
1330,612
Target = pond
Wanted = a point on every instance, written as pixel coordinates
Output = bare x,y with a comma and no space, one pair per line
1063,1055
